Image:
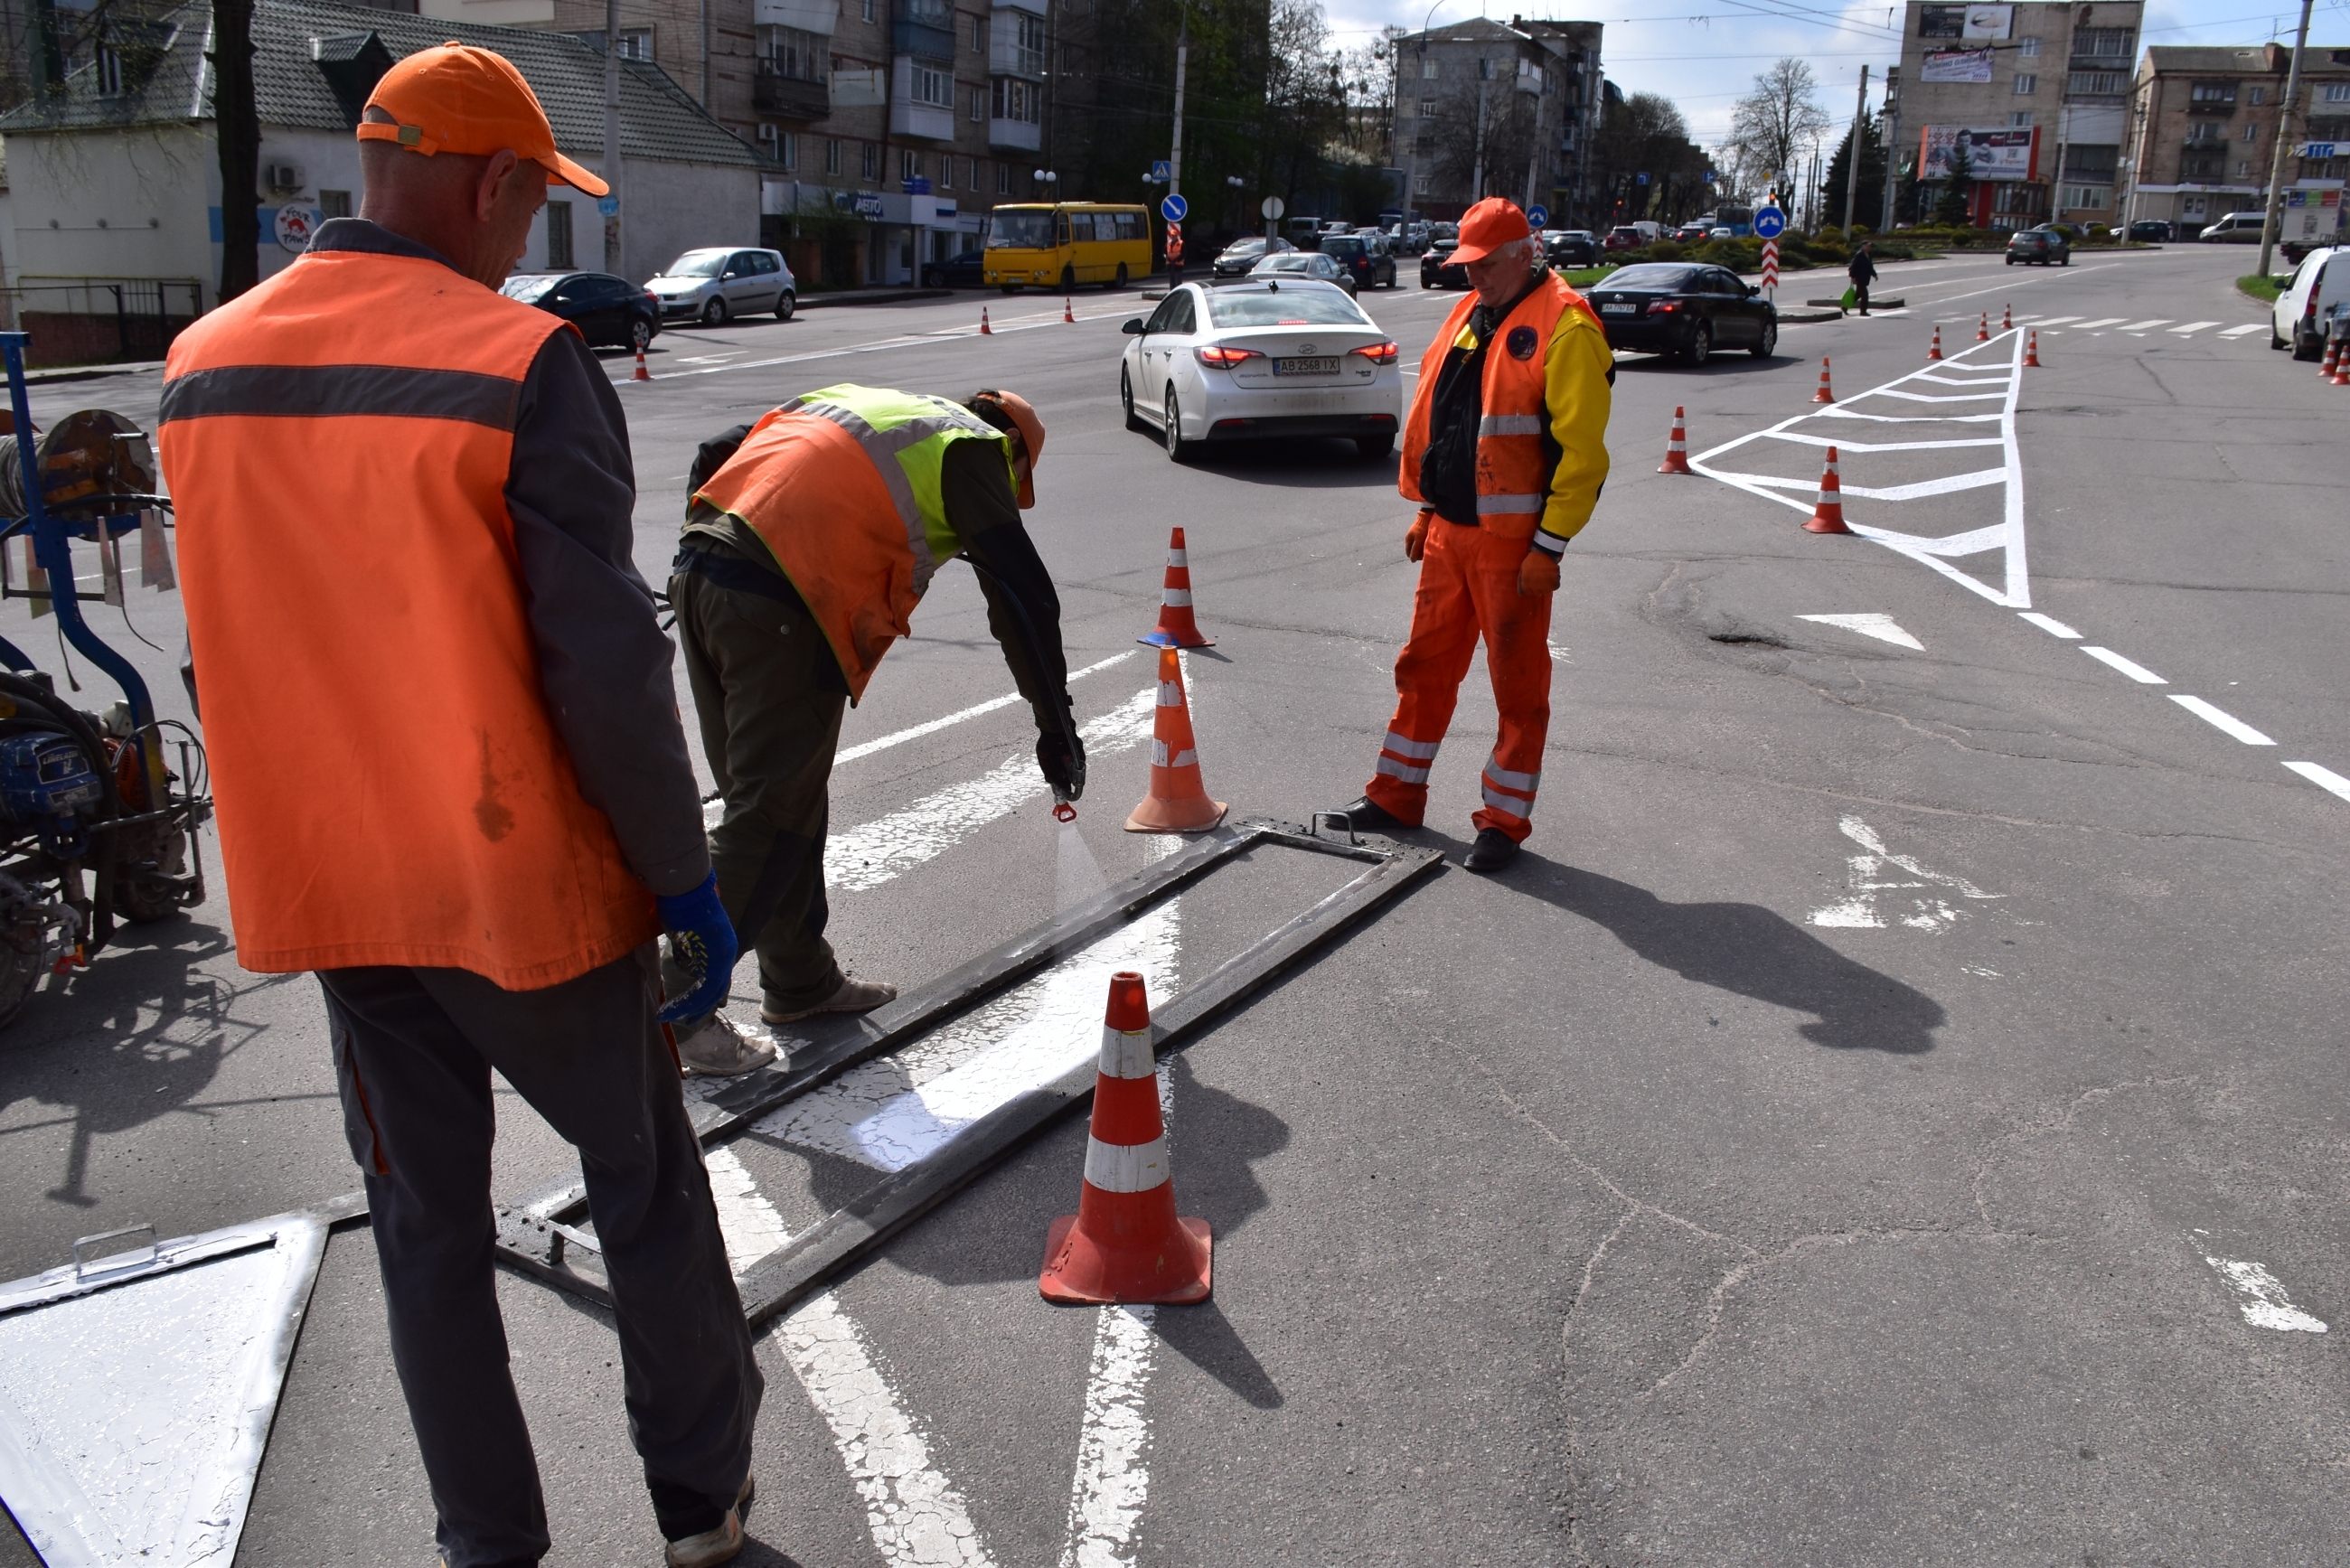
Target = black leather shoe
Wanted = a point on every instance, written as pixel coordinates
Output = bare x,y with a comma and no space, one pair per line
1493,850
1370,816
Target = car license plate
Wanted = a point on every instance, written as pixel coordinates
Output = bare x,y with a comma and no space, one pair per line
1618,307
1320,367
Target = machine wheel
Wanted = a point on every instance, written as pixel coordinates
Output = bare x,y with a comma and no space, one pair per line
1069,279
714,313
934,278
1121,276
785,304
1701,344
2274,341
1769,343
1178,449
1373,449
2067,261
1011,288
641,334
1134,422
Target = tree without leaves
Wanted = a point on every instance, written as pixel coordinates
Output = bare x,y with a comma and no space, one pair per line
237,129
1771,124
1645,134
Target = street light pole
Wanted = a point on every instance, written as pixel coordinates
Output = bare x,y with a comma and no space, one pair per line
612,252
2284,140
1182,56
1852,164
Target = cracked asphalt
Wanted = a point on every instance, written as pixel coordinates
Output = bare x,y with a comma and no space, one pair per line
1820,1149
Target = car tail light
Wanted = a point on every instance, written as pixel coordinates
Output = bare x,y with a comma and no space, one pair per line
1378,353
1664,306
1225,358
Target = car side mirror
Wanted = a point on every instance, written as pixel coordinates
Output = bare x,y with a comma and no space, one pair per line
1751,291
1134,328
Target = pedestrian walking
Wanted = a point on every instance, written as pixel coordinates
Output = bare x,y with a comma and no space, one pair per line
1862,270
1505,452
809,538
451,779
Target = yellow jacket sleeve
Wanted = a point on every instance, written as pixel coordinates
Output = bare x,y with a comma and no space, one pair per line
1579,387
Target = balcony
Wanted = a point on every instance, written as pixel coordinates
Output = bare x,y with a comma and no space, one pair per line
1014,135
789,98
2212,109
1006,57
925,28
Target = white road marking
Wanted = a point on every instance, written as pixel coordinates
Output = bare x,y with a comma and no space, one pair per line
917,1517
2137,672
2222,721
1113,1475
2048,624
1839,411
2045,322
2240,331
866,748
2192,326
1845,443
752,1226
2101,321
2260,1296
2148,326
1880,626
2323,778
1977,480
873,853
1858,910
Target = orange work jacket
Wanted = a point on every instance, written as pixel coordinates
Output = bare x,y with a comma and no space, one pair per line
1512,474
391,788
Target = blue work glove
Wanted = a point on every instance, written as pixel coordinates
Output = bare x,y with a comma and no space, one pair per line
701,941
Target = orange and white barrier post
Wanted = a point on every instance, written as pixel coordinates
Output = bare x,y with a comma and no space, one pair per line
984,330
2031,351
642,375
2007,318
1177,629
1826,394
1125,1242
1827,517
2332,359
1068,310
2341,377
1178,801
1983,328
1677,447
1936,351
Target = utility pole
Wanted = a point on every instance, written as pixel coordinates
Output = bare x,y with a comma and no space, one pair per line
1852,164
2284,140
1892,143
1182,56
613,261
1477,174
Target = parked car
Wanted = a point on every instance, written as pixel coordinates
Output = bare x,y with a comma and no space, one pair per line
1245,252
1675,307
609,312
2302,311
1279,357
1571,247
964,271
2157,231
1437,267
2235,229
1623,237
1311,264
712,285
2046,246
1364,257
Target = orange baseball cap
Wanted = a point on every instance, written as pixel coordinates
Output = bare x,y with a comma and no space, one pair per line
1032,434
459,99
1487,227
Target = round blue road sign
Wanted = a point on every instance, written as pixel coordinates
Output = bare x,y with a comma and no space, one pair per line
1769,222
1537,216
1173,208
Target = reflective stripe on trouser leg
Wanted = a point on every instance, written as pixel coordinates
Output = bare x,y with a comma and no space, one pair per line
1427,672
1516,629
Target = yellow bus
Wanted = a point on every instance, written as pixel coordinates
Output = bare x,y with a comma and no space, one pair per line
1060,244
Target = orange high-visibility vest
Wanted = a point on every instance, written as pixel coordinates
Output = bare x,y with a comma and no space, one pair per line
389,785
1512,476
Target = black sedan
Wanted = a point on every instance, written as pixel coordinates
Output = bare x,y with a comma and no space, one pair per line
1437,267
1571,247
2049,247
1364,257
1668,308
955,272
609,312
2155,231
1245,252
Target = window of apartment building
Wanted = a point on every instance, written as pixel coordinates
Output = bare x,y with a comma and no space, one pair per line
334,203
1420,183
2097,82
2104,43
2025,85
2211,92
929,86
787,149
789,52
2259,97
869,160
2334,92
2252,132
559,235
977,105
1018,100
2243,170
1427,108
909,164
1004,179
2020,120
2091,198
979,34
1430,70
831,155
2028,48
1030,42
866,11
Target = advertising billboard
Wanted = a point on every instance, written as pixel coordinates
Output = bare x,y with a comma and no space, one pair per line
1956,66
1987,22
1997,153
1942,21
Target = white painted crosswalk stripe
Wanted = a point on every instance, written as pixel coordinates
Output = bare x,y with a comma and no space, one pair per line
2101,321
2192,326
2240,331
2148,326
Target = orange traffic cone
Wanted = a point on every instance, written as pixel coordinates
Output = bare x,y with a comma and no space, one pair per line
1677,448
1176,627
1827,517
2332,360
1824,395
641,374
1983,328
2341,370
984,330
1178,801
1125,1243
2007,318
1068,313
1935,352
2031,351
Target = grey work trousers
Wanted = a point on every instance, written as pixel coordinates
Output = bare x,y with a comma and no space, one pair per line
414,1051
770,697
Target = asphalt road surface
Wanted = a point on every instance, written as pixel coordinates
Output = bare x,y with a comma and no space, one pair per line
1892,1113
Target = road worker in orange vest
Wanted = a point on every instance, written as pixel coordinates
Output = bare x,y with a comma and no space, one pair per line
451,780
1174,255
1505,450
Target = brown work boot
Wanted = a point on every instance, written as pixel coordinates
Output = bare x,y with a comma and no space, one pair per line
721,1545
849,996
721,1048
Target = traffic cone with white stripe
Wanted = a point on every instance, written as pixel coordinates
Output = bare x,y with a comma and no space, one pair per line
1068,310
2032,351
1178,801
1125,1242
984,330
1827,517
2332,360
1826,394
1983,328
1936,351
2341,377
1176,627
2007,318
1677,447
640,375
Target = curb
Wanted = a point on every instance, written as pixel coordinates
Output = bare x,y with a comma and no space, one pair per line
880,297
1800,318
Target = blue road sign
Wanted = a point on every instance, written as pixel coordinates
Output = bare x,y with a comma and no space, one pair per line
1644,179
1537,215
609,206
1710,176
1160,169
1173,208
1769,222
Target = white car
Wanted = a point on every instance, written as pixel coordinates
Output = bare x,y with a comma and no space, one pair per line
2302,312
1263,359
711,286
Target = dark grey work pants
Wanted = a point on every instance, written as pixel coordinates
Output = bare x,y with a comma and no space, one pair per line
770,697
413,1051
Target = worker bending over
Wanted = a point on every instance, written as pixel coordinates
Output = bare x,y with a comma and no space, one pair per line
1505,450
809,538
451,780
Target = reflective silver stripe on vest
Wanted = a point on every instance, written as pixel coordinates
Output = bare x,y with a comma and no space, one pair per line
1125,1167
1510,425
1488,504
1125,1056
881,449
341,391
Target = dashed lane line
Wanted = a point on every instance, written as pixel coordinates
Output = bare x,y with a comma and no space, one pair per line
2226,723
2137,672
2049,624
2323,778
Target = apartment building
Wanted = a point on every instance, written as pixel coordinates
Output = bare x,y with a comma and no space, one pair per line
2205,124
1491,109
2038,93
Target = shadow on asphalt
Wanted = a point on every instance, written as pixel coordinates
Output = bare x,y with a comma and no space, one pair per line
1725,362
1747,949
1203,1337
1299,463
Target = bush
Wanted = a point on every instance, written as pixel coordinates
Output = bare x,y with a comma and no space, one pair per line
1664,251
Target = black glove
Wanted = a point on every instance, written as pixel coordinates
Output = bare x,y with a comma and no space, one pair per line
1060,756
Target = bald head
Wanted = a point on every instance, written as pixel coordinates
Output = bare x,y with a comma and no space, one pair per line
475,211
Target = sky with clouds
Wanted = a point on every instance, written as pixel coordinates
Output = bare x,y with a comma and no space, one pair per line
1703,54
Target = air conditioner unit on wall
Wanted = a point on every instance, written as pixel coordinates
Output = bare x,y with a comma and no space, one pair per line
770,137
283,176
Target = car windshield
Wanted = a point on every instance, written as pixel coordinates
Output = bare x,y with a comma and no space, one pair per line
698,263
1309,306
1246,247
1021,231
528,286
1652,276
1342,245
1291,263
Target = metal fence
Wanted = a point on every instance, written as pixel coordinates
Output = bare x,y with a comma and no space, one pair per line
97,321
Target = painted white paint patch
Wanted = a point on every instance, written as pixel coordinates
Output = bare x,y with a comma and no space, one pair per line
2100,321
749,1223
1856,912
2221,720
866,748
1867,881
2193,326
2148,326
2323,778
2259,1296
2240,331
917,1517
2049,624
1113,1475
1880,626
2137,672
